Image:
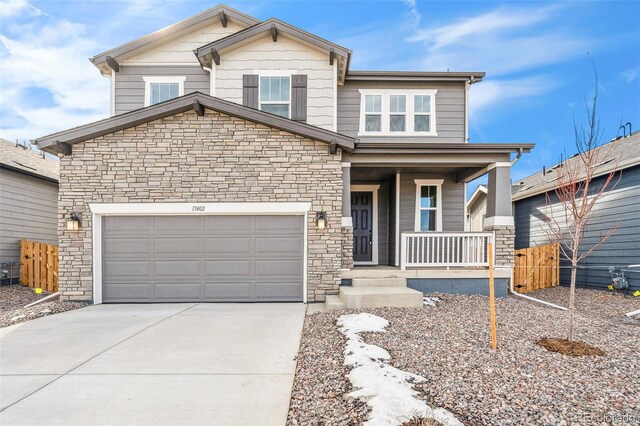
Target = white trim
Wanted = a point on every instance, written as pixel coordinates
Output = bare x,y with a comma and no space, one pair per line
133,209
113,93
429,182
272,73
410,111
193,63
346,222
499,164
374,223
305,250
464,213
346,164
212,79
198,208
335,96
498,221
162,79
397,259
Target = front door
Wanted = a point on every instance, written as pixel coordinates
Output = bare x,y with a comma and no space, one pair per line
362,217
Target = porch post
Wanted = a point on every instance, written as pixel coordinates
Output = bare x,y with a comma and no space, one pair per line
499,217
347,224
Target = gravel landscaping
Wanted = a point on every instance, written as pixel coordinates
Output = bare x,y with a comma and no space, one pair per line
13,299
449,345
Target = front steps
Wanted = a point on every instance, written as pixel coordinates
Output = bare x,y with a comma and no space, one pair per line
379,292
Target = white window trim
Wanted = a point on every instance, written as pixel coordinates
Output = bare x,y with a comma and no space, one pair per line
410,94
98,211
273,73
429,182
374,222
162,79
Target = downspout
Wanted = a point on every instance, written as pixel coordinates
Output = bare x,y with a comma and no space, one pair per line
517,157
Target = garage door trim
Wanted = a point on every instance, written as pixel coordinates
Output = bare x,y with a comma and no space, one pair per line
98,210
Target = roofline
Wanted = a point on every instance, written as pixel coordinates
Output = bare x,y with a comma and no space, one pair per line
474,77
28,173
543,189
61,141
472,199
174,28
441,147
265,26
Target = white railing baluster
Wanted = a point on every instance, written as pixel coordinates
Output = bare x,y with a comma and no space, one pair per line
430,249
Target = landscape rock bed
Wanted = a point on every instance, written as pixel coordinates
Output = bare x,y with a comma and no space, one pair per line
449,345
14,298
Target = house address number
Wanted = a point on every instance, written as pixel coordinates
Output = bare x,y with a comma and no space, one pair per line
197,209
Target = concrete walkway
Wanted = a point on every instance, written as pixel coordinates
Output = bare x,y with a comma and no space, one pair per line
188,364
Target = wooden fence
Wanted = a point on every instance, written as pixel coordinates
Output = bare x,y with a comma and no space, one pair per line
39,265
537,268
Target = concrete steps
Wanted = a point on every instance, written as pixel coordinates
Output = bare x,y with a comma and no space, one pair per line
368,292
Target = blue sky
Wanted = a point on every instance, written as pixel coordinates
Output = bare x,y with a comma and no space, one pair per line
536,55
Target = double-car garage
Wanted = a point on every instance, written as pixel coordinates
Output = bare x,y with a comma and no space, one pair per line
201,258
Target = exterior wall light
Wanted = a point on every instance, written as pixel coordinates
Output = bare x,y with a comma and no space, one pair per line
321,220
74,222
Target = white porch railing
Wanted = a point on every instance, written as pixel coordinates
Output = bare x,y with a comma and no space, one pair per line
423,249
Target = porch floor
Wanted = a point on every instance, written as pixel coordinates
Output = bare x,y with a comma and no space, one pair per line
389,271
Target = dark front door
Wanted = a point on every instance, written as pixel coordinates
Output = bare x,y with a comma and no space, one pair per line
362,216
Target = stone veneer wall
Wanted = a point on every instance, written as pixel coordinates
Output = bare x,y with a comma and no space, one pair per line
347,247
504,244
214,158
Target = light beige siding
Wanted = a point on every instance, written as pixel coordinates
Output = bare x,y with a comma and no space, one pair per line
284,55
477,212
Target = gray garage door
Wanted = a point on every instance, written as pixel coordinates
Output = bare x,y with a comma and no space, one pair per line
202,258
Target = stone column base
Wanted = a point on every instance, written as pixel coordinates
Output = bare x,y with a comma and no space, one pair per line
504,244
347,247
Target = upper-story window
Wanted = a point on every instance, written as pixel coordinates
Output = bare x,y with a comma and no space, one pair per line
275,95
388,112
160,89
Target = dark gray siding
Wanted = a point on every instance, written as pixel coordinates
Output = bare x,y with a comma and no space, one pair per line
383,224
129,90
453,203
392,221
28,210
619,208
450,109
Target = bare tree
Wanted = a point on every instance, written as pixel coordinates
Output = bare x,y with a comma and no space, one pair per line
578,195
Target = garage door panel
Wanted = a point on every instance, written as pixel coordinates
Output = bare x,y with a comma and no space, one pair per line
228,246
126,268
177,268
127,245
126,292
178,291
177,245
287,246
222,269
229,291
280,268
203,258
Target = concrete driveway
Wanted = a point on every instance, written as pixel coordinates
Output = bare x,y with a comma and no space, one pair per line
187,364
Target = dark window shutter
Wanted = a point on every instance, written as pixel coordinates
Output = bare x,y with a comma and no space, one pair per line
250,90
299,97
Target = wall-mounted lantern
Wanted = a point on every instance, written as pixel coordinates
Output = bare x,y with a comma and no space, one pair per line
321,220
74,222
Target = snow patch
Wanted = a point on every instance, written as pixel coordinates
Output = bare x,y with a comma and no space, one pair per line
389,391
430,301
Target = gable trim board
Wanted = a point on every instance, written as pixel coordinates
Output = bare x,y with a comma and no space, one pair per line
100,60
101,210
62,141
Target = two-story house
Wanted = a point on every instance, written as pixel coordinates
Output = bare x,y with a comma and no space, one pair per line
245,161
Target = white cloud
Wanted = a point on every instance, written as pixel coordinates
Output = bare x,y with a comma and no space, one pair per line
630,75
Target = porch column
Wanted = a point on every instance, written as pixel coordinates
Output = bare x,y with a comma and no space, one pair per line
499,217
347,224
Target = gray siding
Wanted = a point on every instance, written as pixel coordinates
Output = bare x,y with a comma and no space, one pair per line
453,202
450,110
392,221
383,224
619,208
129,90
28,210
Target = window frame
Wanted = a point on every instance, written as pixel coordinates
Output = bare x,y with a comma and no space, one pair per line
429,114
378,114
409,114
438,209
398,113
148,80
260,101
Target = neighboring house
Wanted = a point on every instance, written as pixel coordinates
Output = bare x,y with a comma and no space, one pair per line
617,209
245,161
477,209
28,202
